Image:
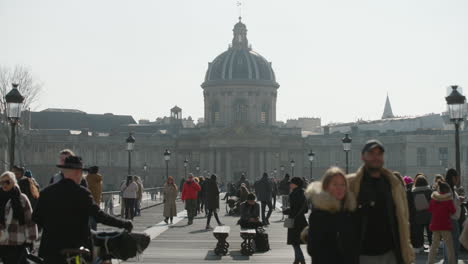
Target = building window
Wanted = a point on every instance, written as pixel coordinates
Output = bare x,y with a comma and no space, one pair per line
241,110
264,115
215,115
421,157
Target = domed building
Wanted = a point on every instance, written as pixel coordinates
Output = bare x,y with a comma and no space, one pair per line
240,86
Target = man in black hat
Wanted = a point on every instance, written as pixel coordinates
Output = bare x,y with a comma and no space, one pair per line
63,211
382,210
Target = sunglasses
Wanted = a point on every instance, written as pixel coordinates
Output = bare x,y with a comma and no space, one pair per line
5,182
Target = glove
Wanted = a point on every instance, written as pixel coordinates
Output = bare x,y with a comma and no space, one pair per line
29,246
128,226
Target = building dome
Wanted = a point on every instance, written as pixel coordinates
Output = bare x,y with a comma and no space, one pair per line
240,64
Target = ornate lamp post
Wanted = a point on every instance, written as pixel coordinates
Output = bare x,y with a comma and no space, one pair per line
293,163
456,107
197,168
14,101
347,148
167,158
282,170
311,159
130,145
185,166
145,169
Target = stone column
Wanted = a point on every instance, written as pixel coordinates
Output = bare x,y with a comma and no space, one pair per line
262,162
228,176
251,172
269,162
211,161
218,163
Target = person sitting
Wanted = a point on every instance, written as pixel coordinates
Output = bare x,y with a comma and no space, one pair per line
250,213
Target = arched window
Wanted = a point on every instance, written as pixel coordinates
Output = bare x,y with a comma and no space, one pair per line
215,115
265,114
241,111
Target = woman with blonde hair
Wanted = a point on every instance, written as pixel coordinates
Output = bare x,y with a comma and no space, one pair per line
16,226
170,195
332,236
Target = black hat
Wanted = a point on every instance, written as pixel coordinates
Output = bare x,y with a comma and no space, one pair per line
298,181
373,143
72,162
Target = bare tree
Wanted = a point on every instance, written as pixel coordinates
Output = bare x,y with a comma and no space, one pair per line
28,87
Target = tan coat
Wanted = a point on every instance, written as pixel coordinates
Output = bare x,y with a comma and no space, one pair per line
170,195
401,208
95,186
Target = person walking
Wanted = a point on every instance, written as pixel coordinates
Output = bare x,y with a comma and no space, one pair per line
17,230
442,207
201,196
26,185
63,211
296,211
283,191
139,198
212,200
263,191
94,180
274,191
129,191
453,180
170,195
190,196
382,210
332,232
421,197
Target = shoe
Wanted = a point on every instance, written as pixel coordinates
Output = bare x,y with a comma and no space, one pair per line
220,224
190,222
208,227
165,221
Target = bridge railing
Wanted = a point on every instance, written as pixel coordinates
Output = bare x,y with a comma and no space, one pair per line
111,201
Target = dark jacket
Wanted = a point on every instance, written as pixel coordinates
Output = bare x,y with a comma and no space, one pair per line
422,217
298,208
283,188
263,189
332,232
211,190
248,211
63,211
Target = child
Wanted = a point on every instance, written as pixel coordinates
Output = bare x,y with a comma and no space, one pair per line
441,207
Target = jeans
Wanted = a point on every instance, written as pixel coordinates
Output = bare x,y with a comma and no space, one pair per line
129,208
298,255
270,210
191,207
456,244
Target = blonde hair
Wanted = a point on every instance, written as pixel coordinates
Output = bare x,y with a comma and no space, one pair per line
66,152
11,176
329,174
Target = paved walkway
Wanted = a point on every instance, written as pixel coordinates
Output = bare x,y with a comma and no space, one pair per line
180,243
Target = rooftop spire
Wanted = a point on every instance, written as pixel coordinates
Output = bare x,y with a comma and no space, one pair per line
388,113
240,36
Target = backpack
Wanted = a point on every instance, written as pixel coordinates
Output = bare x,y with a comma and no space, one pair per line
420,202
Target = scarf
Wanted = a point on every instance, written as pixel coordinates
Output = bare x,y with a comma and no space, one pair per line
18,211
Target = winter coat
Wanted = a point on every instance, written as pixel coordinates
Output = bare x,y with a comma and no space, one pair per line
283,188
263,190
401,232
243,193
95,186
170,195
17,234
248,211
140,190
211,195
422,217
442,208
190,190
332,227
63,211
298,207
130,191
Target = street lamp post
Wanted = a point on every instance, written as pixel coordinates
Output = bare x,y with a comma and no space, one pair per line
130,145
293,163
197,168
275,172
456,107
311,159
145,169
185,166
347,148
14,101
167,158
282,170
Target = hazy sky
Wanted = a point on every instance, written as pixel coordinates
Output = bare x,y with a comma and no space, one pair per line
334,59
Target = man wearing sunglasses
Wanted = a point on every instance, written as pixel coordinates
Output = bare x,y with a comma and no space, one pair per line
63,211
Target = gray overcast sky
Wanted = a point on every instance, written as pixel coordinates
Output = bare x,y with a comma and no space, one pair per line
334,59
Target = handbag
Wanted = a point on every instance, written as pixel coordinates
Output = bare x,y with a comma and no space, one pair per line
464,235
289,222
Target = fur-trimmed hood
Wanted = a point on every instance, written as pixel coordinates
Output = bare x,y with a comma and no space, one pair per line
441,196
323,200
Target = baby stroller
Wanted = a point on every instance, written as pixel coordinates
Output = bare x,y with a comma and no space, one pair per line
232,206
